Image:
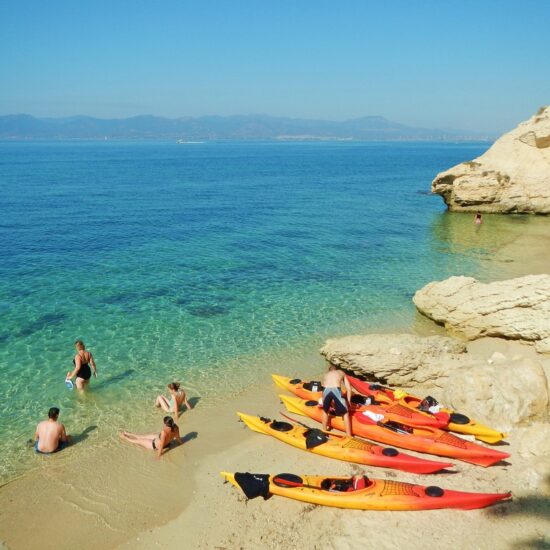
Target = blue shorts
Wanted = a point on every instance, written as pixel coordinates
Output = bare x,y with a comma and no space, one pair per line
333,398
60,447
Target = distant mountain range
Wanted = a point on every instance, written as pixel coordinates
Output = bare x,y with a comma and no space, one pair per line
242,127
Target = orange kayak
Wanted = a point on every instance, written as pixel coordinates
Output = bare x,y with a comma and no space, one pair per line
342,447
458,423
390,410
421,439
377,494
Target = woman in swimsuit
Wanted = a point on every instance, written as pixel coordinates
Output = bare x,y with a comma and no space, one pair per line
154,441
82,362
175,402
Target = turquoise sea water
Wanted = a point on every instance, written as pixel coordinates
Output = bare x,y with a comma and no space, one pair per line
192,261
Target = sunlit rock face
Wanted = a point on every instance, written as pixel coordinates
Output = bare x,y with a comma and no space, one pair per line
513,176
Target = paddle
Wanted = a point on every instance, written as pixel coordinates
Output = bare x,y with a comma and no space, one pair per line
282,482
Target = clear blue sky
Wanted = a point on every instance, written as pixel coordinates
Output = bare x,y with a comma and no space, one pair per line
479,65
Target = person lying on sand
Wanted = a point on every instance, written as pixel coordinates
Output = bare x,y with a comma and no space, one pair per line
176,401
156,442
333,400
50,435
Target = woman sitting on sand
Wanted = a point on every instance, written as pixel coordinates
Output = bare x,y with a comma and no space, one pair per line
175,402
154,441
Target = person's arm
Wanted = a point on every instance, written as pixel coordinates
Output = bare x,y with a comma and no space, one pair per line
77,365
92,362
36,434
176,408
187,404
64,437
347,385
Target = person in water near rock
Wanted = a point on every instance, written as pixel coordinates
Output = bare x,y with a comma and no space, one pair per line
478,220
333,401
156,442
176,401
50,435
83,360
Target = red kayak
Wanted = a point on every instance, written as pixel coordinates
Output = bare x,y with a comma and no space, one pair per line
390,410
421,439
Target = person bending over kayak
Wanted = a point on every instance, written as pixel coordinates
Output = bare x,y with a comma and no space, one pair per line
333,400
156,442
50,435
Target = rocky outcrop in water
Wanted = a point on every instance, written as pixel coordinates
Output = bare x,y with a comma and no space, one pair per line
517,309
512,176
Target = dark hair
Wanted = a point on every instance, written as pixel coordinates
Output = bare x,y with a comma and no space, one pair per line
169,421
53,413
174,386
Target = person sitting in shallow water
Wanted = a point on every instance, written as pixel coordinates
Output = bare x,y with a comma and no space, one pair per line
50,435
176,401
156,442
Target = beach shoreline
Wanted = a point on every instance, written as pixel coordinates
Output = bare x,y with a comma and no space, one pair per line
119,496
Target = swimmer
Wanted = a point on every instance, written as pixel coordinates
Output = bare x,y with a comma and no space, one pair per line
156,442
333,400
50,435
177,400
82,362
478,220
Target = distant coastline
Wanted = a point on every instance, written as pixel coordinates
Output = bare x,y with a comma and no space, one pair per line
21,127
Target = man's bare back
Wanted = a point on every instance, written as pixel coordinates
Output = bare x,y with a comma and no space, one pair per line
333,379
50,433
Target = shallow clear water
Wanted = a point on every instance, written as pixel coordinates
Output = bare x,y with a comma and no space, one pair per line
193,261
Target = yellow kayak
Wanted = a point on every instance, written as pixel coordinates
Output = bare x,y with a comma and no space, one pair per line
342,447
359,493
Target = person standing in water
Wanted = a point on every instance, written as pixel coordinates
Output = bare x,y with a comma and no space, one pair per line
333,400
156,442
176,401
50,435
83,360
478,220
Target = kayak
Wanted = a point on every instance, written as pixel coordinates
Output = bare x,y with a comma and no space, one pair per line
390,410
459,423
413,438
378,494
341,447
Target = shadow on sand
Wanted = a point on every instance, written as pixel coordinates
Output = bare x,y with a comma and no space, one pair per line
83,435
189,437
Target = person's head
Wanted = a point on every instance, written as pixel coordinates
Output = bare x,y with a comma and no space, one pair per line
53,413
332,367
169,422
478,215
79,345
174,386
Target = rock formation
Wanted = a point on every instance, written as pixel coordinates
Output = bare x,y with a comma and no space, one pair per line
516,308
400,360
512,176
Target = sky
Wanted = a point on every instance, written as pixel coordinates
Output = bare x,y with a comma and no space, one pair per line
480,65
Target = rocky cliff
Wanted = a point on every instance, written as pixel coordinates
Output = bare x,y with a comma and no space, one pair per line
512,176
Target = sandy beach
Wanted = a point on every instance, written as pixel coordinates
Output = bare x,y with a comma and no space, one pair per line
117,495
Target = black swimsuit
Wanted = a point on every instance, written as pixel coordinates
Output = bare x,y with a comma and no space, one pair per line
85,371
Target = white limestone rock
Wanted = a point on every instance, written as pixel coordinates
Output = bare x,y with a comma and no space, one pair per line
517,309
504,394
401,360
512,176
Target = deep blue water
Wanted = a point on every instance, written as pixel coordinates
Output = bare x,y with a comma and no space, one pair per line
178,260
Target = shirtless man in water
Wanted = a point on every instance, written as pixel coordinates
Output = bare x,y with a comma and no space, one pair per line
333,398
50,434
